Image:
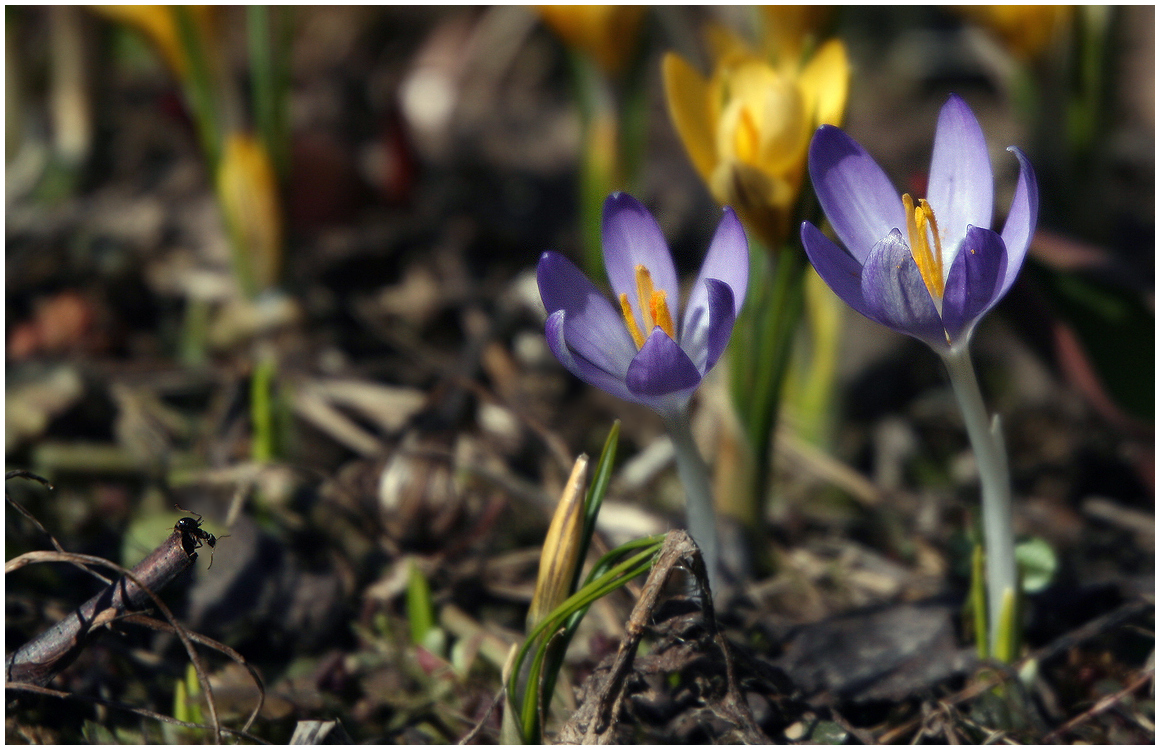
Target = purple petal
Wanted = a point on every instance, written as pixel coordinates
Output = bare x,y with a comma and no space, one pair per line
855,193
727,261
837,268
554,332
594,329
961,189
973,282
896,295
631,237
1021,220
722,316
660,368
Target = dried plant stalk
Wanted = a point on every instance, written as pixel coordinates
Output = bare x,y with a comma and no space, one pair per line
42,658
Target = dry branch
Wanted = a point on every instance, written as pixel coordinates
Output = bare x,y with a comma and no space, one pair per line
39,660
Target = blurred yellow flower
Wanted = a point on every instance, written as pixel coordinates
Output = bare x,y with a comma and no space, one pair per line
159,24
747,128
1026,30
607,33
248,191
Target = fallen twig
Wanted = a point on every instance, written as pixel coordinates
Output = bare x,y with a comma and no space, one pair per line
42,658
39,660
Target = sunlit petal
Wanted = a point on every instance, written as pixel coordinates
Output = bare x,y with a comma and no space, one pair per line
631,237
961,189
855,193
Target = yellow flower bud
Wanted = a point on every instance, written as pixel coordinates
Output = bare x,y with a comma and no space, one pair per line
560,555
248,193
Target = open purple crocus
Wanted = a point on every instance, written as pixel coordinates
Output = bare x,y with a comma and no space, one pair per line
637,350
929,269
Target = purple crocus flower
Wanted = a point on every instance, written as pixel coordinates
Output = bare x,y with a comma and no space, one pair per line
932,268
636,349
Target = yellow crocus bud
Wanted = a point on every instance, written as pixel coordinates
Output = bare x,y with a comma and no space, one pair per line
561,554
248,194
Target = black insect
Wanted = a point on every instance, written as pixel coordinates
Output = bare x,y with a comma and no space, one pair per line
200,536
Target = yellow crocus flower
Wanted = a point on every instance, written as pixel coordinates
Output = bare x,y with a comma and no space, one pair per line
747,128
606,33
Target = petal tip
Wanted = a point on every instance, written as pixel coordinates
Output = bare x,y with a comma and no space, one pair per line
620,200
729,216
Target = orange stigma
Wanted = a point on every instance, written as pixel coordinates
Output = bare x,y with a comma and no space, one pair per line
654,309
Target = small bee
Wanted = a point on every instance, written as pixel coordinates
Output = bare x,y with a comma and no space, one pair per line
193,528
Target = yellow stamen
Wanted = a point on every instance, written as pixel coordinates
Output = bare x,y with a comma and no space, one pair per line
654,309
928,212
929,260
660,313
644,290
630,321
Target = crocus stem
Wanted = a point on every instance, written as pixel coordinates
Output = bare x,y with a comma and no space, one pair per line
702,521
998,534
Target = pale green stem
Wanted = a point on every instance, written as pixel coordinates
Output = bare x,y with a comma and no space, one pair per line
702,521
998,534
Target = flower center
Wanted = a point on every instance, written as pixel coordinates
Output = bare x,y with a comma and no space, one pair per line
929,258
654,309
746,138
